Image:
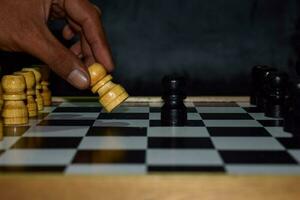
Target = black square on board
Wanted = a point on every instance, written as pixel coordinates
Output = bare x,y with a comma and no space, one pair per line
271,123
32,169
216,104
179,143
117,131
109,156
257,157
185,169
225,116
290,143
66,122
47,143
252,110
123,116
77,109
158,109
192,123
238,132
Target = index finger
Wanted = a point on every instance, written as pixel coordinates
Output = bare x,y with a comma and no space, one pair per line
86,15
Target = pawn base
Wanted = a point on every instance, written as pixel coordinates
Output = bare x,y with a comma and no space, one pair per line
173,117
274,111
116,102
40,105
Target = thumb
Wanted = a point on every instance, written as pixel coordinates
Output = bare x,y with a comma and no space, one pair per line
61,60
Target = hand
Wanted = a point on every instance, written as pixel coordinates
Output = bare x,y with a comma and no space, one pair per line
23,27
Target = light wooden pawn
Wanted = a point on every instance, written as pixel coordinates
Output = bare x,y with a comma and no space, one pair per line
30,92
1,98
111,95
46,94
38,87
1,130
14,110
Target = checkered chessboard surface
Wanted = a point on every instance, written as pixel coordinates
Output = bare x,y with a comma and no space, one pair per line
80,138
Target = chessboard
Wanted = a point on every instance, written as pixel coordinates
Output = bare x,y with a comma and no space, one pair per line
79,137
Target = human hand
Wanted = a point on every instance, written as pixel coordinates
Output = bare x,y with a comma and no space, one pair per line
23,27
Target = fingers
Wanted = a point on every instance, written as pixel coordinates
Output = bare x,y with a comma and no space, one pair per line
87,52
68,32
86,15
76,49
60,59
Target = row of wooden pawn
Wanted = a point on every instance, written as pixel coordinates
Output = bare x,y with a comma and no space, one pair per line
23,86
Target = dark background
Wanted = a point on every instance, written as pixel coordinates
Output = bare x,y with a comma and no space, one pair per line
214,43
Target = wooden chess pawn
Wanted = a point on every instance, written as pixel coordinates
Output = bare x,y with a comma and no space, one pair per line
14,110
1,123
30,92
111,95
1,99
1,130
46,93
38,87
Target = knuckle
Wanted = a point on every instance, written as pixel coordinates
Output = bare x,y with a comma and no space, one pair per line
98,10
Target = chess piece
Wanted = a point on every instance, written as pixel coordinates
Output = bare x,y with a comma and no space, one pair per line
174,112
14,111
111,95
1,98
288,114
38,87
296,130
276,92
255,83
262,74
46,94
1,130
30,92
292,115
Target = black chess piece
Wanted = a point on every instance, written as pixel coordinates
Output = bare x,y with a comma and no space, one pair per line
294,116
275,92
288,115
255,82
262,75
174,112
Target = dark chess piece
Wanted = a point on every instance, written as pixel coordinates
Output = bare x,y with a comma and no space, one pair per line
276,92
174,112
262,75
255,82
288,115
292,114
296,103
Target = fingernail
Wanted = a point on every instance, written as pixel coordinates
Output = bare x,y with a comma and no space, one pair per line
78,79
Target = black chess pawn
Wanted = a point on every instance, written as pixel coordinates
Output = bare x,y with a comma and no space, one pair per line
174,112
275,92
261,85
